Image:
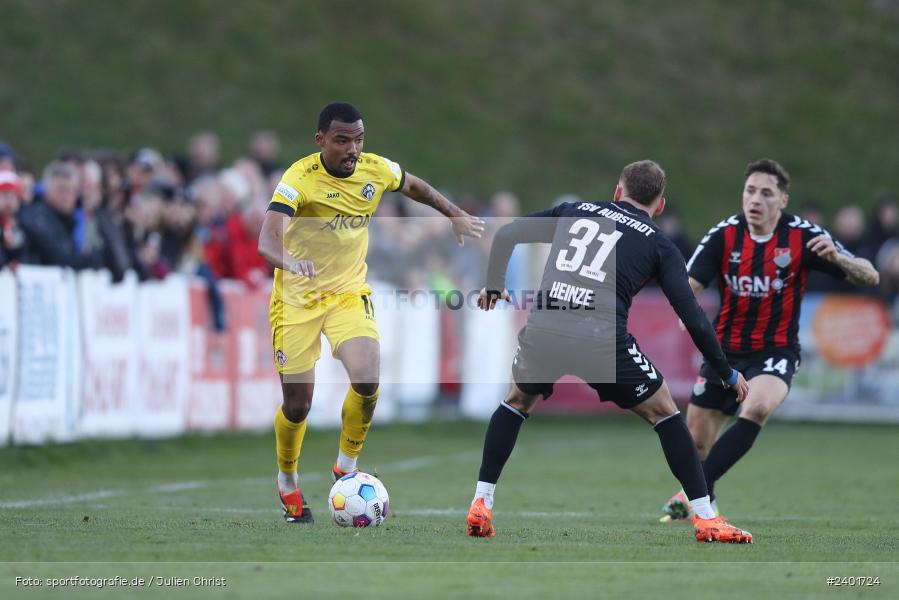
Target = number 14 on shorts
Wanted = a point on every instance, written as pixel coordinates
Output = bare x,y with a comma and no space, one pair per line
780,366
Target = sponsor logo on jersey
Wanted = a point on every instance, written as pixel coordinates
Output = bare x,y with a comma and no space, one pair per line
368,191
286,191
735,257
755,286
332,195
782,257
347,222
641,389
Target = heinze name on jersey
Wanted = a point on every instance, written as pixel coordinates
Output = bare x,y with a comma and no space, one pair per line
572,294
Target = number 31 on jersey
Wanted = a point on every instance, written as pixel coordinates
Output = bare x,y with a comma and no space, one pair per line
591,232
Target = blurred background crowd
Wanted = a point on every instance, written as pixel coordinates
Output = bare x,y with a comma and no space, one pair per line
199,214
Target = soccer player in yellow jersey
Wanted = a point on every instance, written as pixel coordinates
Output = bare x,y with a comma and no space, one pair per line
315,234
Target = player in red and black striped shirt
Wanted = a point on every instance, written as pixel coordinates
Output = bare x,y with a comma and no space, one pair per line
760,260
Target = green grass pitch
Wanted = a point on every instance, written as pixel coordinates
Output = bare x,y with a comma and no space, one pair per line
576,516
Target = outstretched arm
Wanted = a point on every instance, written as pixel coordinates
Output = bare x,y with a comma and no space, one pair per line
532,228
463,223
681,294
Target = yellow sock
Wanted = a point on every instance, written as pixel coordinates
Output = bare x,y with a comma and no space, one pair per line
288,440
356,415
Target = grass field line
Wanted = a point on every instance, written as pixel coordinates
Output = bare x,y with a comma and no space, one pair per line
408,464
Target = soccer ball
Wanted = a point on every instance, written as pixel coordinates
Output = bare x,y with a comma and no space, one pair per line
358,500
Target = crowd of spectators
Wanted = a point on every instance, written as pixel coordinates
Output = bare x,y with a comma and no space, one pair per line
197,214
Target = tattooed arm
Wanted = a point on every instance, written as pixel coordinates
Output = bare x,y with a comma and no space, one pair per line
859,271
463,223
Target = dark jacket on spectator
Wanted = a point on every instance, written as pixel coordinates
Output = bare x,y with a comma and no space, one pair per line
49,241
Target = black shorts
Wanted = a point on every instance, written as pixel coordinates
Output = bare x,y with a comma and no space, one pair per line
542,357
709,391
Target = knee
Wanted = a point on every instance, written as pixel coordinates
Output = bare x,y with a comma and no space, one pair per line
521,401
364,378
757,413
702,446
367,388
296,405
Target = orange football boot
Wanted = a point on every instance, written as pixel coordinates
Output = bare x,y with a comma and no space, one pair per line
294,507
717,529
480,520
337,473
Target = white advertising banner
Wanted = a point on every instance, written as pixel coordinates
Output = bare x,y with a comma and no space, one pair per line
9,322
163,369
487,351
45,409
110,355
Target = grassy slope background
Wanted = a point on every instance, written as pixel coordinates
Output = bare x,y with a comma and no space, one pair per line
541,98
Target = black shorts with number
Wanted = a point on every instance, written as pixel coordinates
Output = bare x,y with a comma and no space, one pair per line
709,391
543,357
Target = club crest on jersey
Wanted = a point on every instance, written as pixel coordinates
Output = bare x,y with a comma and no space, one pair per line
782,257
735,257
368,191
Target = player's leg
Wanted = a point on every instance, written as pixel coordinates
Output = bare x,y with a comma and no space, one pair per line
705,425
499,441
361,358
531,369
350,327
290,424
296,339
290,429
766,393
711,406
660,411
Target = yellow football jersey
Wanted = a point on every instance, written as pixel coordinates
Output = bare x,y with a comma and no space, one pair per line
330,223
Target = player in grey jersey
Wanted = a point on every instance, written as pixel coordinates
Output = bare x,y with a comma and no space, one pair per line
602,255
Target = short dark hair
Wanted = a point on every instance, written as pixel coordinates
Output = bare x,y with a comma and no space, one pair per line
771,167
338,111
644,181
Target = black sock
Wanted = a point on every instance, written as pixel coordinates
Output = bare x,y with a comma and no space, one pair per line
682,456
711,485
500,440
729,448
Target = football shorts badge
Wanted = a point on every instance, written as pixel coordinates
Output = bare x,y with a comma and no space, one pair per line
699,386
280,357
368,191
782,257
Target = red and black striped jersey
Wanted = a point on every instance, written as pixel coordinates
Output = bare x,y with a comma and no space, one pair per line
760,280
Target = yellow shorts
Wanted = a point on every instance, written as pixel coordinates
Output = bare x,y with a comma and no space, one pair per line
296,331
